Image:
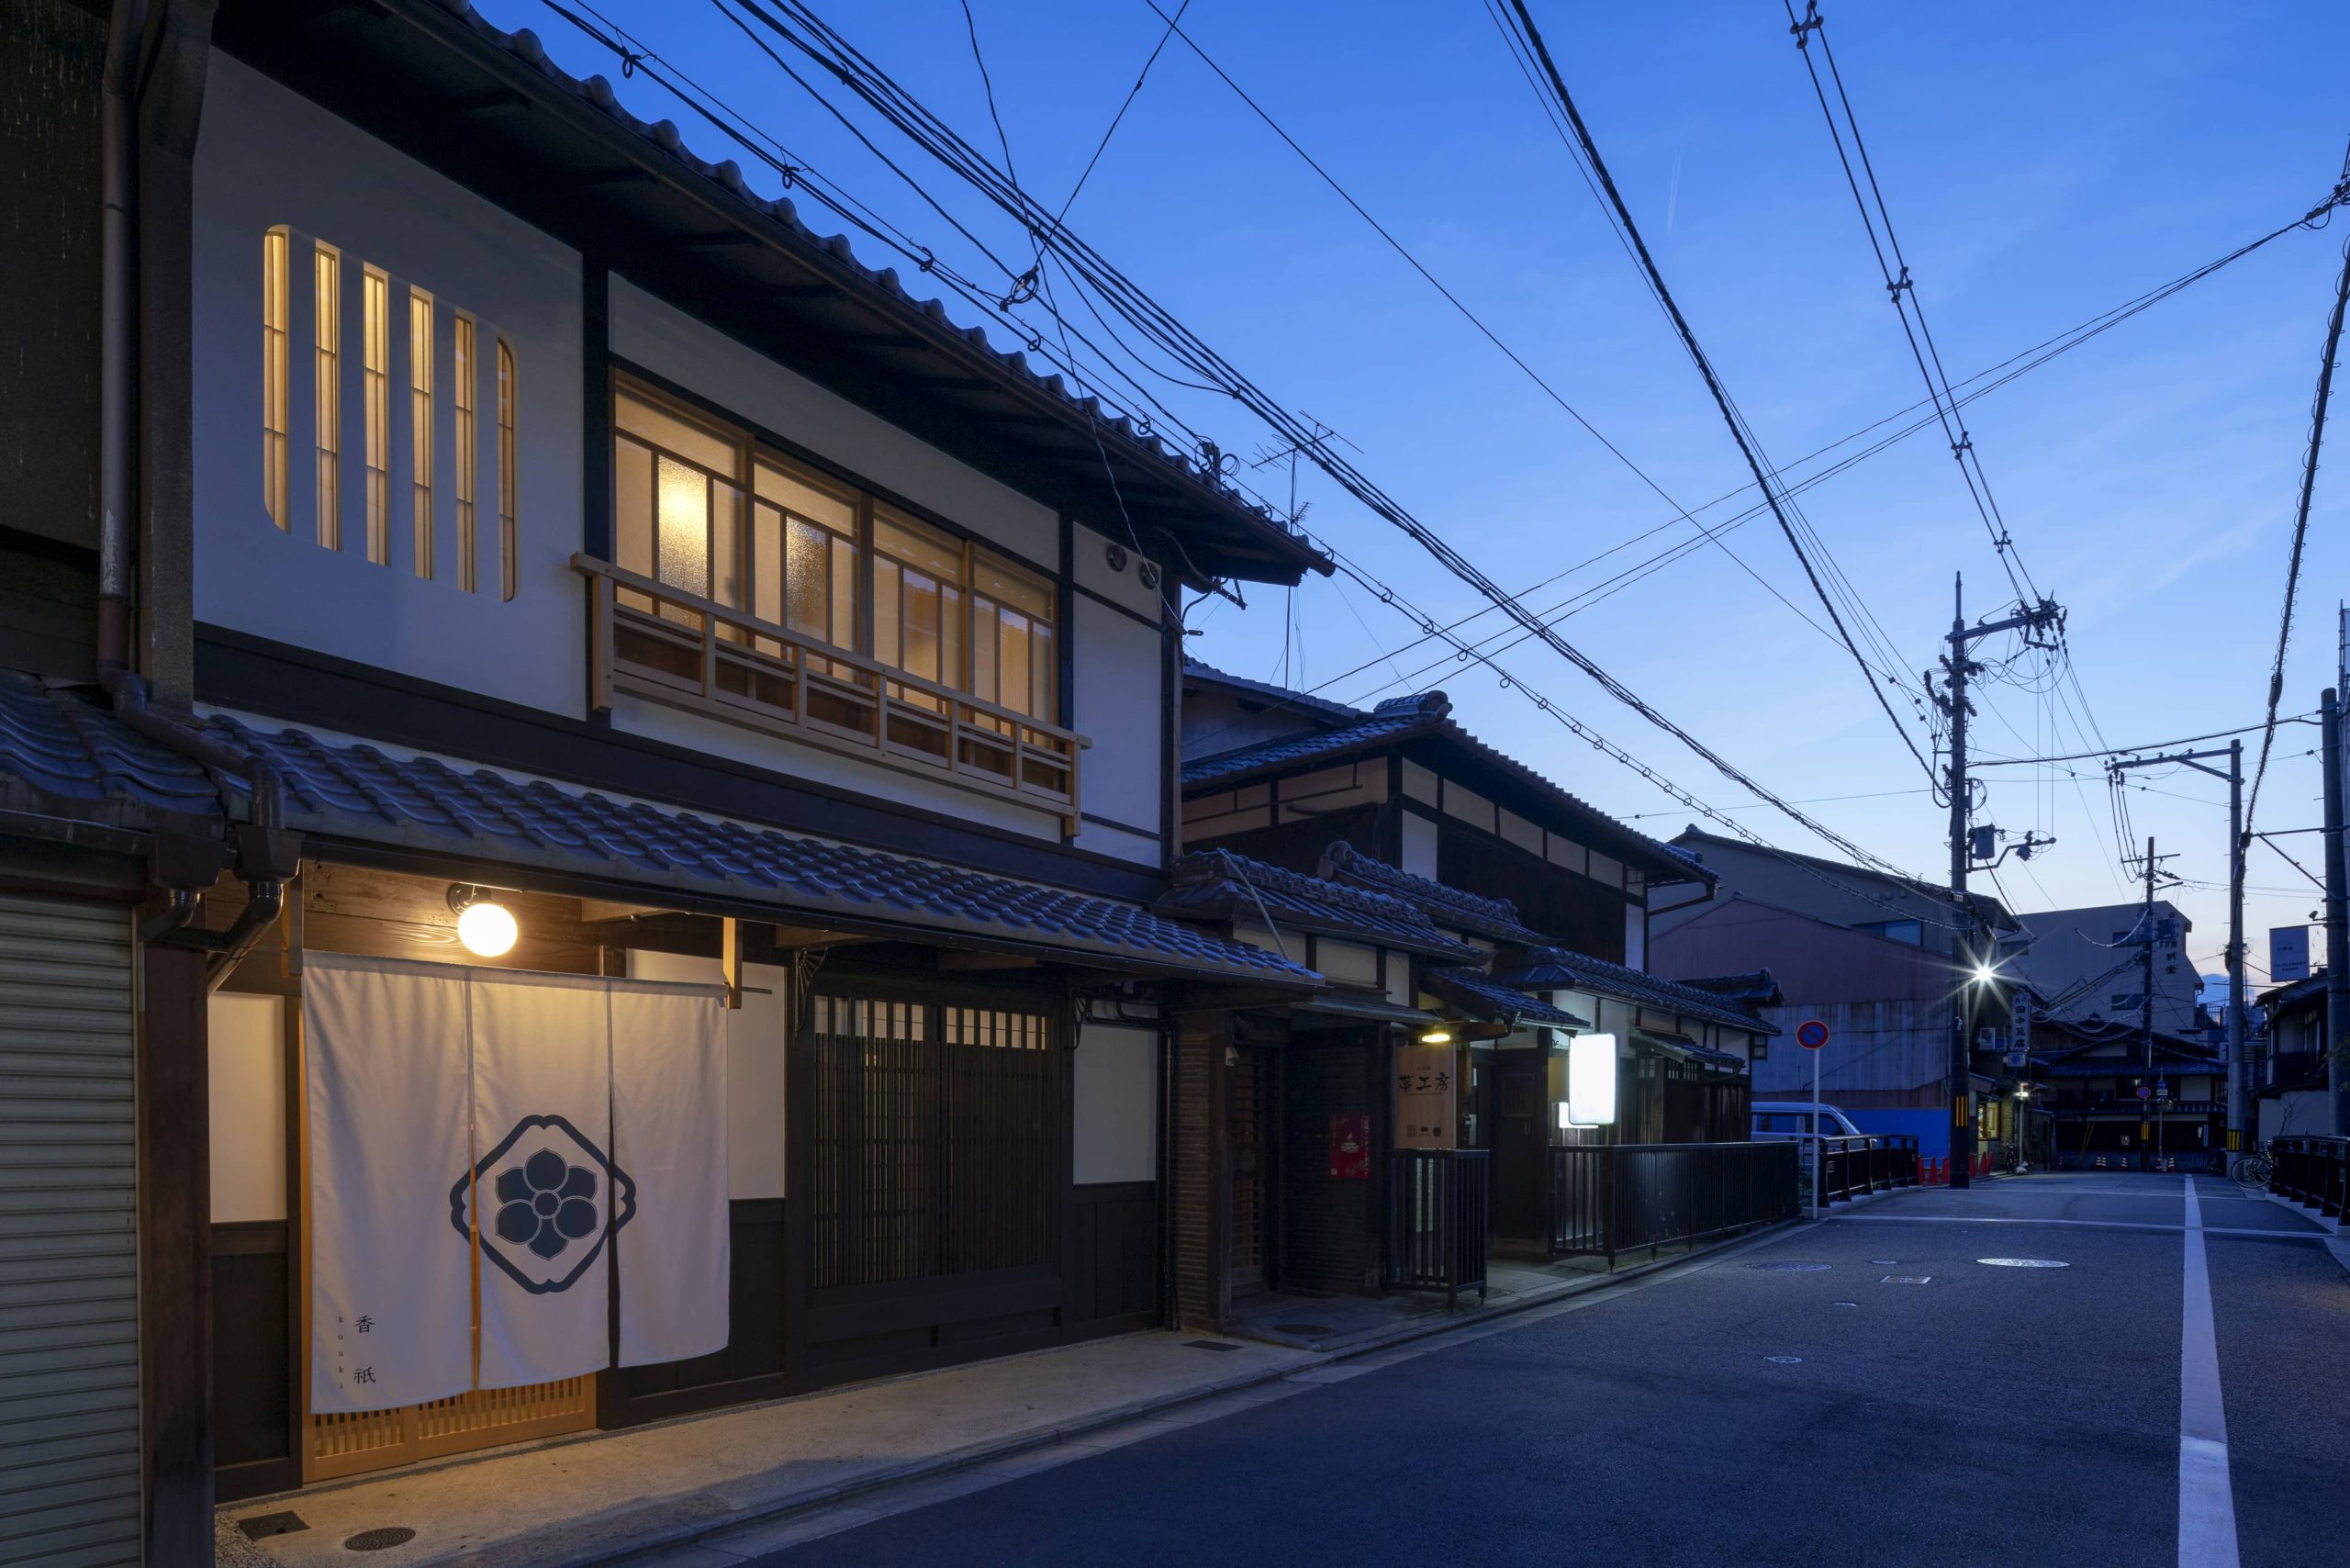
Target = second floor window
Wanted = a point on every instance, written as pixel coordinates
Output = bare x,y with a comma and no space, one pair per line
700,508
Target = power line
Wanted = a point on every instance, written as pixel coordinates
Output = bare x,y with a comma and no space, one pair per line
2301,522
2150,745
1748,447
825,46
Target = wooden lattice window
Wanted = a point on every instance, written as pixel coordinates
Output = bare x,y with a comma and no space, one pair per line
937,1140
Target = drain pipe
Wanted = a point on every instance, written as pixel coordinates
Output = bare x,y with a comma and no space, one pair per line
117,335
267,856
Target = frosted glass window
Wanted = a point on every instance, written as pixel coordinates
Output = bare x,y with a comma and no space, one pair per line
275,315
466,438
420,395
376,372
326,280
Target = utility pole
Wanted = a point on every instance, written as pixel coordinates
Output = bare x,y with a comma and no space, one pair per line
1969,958
2337,922
2146,1004
2241,1121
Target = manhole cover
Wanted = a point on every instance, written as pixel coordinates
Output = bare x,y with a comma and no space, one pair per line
380,1540
261,1527
1784,1361
1789,1268
1906,1279
1208,1345
1305,1330
2023,1262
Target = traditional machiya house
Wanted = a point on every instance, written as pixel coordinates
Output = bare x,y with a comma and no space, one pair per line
1299,812
2289,1073
2119,1101
583,783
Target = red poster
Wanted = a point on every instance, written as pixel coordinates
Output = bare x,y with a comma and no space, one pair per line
1351,1145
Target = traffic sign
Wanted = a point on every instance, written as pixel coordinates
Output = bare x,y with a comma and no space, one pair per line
1811,1033
2144,1093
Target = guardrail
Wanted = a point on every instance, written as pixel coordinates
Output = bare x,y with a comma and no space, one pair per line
1854,1167
1439,1215
2312,1171
1611,1198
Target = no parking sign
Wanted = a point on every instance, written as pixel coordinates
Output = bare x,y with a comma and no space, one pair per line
1811,1033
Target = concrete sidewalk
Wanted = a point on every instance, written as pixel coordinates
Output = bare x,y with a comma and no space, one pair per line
598,1497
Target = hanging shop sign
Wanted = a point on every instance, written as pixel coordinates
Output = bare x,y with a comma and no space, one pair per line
1426,1098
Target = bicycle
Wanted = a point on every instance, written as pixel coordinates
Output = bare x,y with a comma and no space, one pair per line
2250,1170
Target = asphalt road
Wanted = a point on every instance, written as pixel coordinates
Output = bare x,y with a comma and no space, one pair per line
1740,1412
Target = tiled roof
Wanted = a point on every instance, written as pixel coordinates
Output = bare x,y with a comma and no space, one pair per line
1482,994
1496,918
1278,696
725,181
1304,746
1688,1049
1400,717
1219,883
1557,968
58,743
60,755
1759,989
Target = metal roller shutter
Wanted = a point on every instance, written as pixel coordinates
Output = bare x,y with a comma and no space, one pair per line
68,1266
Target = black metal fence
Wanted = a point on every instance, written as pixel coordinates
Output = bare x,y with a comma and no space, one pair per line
2312,1171
1612,1198
1854,1167
1439,1216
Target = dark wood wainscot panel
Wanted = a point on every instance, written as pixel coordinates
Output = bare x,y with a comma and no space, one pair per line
1114,1258
752,1364
252,1367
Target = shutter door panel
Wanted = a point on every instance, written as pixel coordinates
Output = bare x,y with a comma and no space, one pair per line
68,1265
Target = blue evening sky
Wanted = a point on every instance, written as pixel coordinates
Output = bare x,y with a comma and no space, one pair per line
2043,163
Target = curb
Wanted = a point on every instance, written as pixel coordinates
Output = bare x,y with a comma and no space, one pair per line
2331,1226
975,1454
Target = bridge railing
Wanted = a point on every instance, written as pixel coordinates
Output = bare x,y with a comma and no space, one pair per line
1611,1198
2312,1171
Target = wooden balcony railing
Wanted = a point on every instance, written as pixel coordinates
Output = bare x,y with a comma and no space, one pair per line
671,646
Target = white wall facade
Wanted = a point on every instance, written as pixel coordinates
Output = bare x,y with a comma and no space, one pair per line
1116,1095
266,159
247,1063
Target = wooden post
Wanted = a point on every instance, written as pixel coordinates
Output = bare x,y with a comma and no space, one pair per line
175,1258
730,961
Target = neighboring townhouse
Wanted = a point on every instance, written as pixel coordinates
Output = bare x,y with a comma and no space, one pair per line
586,783
2290,1078
1464,1085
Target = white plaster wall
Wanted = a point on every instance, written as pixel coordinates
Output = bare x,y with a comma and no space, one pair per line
1116,680
247,1037
756,1037
1089,550
1635,937
1116,1091
1419,844
266,157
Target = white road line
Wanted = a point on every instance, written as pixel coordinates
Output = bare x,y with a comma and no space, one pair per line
2085,1224
2207,1508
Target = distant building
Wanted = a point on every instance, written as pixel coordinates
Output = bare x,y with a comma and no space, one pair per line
2091,963
1873,955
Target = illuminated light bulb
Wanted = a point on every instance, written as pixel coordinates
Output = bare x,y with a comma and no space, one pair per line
487,929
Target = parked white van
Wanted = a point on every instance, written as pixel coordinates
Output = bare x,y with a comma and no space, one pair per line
1792,1118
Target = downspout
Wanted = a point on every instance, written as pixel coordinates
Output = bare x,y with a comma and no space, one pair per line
118,340
267,856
